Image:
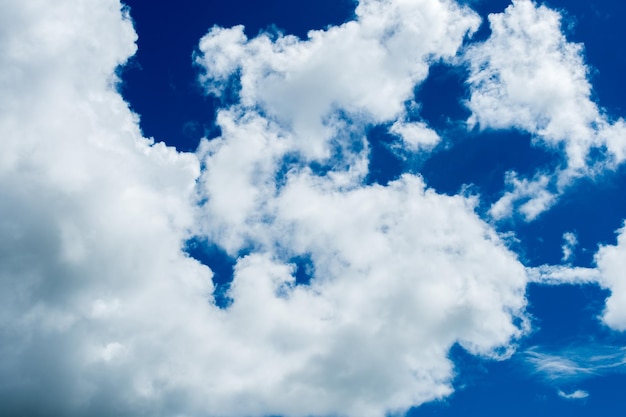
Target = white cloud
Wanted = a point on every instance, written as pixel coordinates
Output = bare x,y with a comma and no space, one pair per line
104,314
400,273
611,261
608,272
569,244
416,135
362,67
93,217
576,395
576,362
532,194
527,76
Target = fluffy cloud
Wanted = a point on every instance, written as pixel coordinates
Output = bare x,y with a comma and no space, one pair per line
527,76
102,311
93,216
366,68
569,244
399,272
104,314
611,261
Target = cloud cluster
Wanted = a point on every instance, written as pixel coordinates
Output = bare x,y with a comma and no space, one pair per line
527,76
364,69
608,272
611,264
103,312
400,273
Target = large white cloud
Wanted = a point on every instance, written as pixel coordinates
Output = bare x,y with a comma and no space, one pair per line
92,276
400,273
367,67
527,76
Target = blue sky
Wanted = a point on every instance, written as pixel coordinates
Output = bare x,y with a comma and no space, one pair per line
332,208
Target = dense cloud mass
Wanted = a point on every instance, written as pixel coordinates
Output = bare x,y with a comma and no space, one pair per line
103,313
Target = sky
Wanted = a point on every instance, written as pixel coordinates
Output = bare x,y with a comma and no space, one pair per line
340,208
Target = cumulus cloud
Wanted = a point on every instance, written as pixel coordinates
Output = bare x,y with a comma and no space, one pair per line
93,216
103,313
563,274
527,76
557,367
611,262
366,68
529,197
397,276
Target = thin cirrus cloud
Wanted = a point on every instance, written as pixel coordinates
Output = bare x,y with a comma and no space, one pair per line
576,363
103,312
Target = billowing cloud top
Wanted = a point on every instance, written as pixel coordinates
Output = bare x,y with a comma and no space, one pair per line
104,313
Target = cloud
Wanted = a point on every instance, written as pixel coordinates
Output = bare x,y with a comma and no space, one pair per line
563,274
399,273
527,76
556,367
103,313
416,135
533,195
576,362
93,215
610,261
569,244
576,395
361,68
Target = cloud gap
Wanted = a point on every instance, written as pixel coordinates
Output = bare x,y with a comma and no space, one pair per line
304,269
219,262
386,162
442,94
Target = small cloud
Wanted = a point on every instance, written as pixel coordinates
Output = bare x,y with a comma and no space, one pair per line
576,395
569,244
415,135
555,366
577,363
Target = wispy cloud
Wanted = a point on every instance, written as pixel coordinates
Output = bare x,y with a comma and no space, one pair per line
576,362
576,395
103,312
